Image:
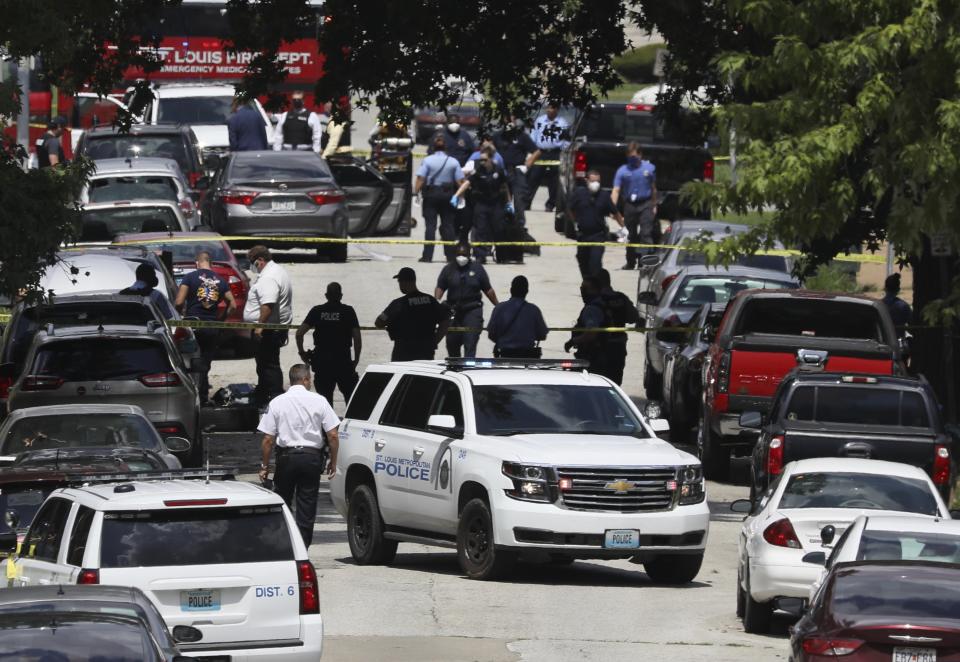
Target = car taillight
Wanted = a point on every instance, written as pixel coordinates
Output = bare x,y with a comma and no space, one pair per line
236,286
186,206
941,465
180,334
830,647
580,164
309,589
192,503
723,373
88,577
161,379
326,197
5,384
708,170
781,534
673,320
193,178
775,456
665,283
42,383
244,198
169,429
641,107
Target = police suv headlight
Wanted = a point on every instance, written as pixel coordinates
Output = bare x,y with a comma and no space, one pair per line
691,485
530,482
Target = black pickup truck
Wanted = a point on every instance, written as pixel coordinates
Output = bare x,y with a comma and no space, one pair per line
599,142
882,417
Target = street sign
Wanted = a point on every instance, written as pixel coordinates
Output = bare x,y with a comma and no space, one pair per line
940,244
660,63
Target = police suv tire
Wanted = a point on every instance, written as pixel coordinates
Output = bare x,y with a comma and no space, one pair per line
756,615
673,568
478,556
652,382
365,529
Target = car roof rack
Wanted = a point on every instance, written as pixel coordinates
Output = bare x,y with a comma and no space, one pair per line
459,363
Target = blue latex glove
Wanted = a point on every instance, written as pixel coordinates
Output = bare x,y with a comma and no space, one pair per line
454,201
509,207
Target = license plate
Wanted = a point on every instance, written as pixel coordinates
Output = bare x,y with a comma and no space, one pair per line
200,600
914,655
621,539
278,205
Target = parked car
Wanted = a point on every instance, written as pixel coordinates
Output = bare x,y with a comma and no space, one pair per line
767,333
891,538
90,427
101,222
669,313
113,365
90,599
788,521
118,180
165,141
370,195
281,194
825,414
904,611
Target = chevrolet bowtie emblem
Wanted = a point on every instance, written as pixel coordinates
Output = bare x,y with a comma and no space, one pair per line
619,486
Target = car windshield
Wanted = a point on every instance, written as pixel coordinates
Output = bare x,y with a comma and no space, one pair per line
908,546
280,167
814,317
119,146
24,502
105,224
74,430
195,110
101,359
858,406
698,290
186,251
553,409
133,187
878,597
216,535
861,491
74,636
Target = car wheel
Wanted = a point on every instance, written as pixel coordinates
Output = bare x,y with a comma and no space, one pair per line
673,568
679,430
652,382
756,615
479,558
715,458
365,529
741,596
561,559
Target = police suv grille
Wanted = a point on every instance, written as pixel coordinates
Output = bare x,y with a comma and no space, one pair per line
619,489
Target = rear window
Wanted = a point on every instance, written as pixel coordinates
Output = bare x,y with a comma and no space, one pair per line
908,546
118,146
93,359
280,167
76,636
106,224
133,187
882,597
36,433
859,491
810,317
367,394
194,536
698,290
859,406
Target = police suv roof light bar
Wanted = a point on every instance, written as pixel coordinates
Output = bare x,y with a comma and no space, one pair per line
459,363
223,473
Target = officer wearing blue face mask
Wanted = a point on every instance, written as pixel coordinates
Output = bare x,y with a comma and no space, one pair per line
635,192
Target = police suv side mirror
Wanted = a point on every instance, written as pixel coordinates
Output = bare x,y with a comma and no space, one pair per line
442,422
751,420
177,444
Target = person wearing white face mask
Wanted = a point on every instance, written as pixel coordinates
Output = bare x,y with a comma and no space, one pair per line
459,142
590,206
465,283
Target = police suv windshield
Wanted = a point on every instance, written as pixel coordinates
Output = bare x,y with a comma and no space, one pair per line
506,410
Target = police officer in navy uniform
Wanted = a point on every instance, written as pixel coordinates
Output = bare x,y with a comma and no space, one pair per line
416,322
465,282
488,200
590,345
635,187
590,206
519,153
459,143
335,330
438,178
299,128
517,326
620,312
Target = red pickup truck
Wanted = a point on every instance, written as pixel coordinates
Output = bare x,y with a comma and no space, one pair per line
764,335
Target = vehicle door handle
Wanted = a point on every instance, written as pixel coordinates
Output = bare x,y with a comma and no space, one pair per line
418,451
378,445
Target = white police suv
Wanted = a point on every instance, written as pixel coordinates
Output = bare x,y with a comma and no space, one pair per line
221,556
498,457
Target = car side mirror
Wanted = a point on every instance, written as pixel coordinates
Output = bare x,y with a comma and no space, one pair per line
955,514
186,634
650,260
816,558
177,444
744,506
827,534
444,422
646,299
659,424
751,420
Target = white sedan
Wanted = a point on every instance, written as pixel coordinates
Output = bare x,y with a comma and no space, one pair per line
892,538
803,510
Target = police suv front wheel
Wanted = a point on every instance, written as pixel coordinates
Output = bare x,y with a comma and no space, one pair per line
365,529
673,568
479,558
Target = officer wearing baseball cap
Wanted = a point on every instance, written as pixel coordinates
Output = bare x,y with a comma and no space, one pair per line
416,322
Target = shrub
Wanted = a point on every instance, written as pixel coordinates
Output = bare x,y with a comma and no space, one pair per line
636,65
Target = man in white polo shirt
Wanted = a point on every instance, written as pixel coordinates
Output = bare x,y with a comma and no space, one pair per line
270,301
300,422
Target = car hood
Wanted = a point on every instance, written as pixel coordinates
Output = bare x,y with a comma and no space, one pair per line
591,450
211,135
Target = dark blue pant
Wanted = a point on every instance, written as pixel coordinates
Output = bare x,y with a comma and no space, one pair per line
590,258
339,373
468,341
269,373
641,226
537,174
487,224
518,187
432,210
209,340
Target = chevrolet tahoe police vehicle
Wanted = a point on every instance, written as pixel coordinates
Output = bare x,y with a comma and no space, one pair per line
501,457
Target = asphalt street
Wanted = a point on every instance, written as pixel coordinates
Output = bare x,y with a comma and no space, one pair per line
421,607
